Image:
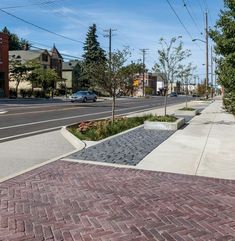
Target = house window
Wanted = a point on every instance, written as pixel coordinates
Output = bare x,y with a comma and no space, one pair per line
44,57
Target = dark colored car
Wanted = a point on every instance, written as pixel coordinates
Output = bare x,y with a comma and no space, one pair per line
83,96
173,94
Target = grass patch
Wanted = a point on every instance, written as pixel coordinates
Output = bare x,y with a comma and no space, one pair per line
167,118
187,109
98,130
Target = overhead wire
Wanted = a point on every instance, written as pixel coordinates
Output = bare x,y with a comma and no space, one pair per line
183,25
39,27
191,16
33,4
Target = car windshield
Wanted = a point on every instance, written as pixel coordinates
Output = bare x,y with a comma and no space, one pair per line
81,93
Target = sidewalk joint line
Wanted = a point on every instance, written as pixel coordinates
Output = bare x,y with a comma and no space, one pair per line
203,151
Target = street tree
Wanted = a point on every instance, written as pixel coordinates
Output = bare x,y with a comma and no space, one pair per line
185,73
94,56
32,72
223,36
171,55
129,75
111,79
17,72
16,43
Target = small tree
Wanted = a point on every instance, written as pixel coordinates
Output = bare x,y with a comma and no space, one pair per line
17,72
15,43
170,58
129,72
47,78
112,80
32,75
185,73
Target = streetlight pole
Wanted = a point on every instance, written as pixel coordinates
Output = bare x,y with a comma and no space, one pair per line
212,73
206,41
143,80
207,54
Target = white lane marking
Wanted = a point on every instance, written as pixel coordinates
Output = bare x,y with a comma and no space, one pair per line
3,112
67,118
57,127
43,111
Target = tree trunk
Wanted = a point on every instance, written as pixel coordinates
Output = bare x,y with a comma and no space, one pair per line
17,86
165,104
114,103
113,108
186,94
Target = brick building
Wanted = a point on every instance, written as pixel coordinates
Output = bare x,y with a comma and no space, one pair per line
4,65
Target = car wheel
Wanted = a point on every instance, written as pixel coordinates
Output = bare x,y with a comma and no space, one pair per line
85,100
95,99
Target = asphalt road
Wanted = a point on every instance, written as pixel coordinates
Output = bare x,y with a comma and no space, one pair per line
24,118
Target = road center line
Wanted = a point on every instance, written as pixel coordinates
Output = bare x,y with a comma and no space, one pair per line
70,117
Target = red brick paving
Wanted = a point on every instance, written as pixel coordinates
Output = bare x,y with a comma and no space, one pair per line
70,201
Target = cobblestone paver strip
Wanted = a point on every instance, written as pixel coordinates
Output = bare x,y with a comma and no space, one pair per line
71,201
127,149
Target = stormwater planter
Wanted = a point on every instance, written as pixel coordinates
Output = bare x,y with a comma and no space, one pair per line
187,112
157,125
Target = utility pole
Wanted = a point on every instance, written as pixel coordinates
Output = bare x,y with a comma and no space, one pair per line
212,73
110,35
207,54
144,53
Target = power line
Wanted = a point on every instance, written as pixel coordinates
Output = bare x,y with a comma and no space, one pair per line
33,4
191,16
179,19
39,27
183,25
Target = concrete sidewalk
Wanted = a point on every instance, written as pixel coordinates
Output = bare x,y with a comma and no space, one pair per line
205,147
19,155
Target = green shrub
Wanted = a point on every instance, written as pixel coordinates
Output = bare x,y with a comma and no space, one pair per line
187,109
229,102
167,118
98,130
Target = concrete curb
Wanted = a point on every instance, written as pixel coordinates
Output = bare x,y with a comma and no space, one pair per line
186,112
158,125
76,142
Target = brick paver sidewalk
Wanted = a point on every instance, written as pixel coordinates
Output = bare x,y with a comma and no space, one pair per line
70,201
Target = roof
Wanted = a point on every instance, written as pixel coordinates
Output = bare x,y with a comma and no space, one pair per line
54,52
26,55
69,65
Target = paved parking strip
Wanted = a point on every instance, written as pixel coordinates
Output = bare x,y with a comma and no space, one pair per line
71,201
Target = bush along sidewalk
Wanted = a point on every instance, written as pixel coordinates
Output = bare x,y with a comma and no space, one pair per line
101,129
187,111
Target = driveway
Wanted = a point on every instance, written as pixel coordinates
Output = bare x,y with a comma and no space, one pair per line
70,201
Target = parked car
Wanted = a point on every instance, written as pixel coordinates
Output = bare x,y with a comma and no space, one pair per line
173,94
83,96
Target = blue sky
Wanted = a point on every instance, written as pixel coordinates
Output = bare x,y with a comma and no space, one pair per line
139,23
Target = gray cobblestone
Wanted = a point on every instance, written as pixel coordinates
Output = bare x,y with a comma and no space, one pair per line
128,149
